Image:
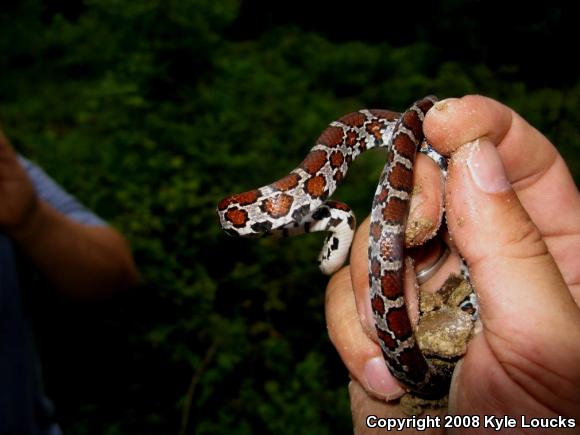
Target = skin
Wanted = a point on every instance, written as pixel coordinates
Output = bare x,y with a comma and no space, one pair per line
81,261
513,212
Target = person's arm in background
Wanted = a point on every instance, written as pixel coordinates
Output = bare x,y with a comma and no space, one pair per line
80,260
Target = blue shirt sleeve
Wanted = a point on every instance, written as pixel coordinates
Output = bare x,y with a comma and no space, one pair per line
49,191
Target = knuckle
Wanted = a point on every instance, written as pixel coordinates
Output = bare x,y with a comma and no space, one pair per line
523,240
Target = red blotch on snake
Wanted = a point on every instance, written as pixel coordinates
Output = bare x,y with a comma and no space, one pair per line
354,119
375,231
331,137
314,161
382,195
241,199
411,120
338,205
405,146
287,183
237,217
401,178
391,284
378,305
395,211
278,205
315,186
336,159
386,338
398,322
351,138
386,114
375,128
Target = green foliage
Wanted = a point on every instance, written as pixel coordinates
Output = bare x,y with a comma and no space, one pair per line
150,113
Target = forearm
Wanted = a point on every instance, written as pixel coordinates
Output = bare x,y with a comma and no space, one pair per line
79,260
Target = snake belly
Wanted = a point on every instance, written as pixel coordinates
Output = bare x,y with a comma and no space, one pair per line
298,203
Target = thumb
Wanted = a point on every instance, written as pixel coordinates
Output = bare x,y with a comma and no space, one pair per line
523,296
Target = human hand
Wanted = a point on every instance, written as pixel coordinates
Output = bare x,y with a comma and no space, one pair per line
18,199
513,211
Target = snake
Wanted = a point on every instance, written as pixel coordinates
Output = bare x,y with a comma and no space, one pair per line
299,203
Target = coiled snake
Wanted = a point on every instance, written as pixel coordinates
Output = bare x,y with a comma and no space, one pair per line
299,203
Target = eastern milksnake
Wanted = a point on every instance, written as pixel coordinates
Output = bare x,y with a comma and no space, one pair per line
298,203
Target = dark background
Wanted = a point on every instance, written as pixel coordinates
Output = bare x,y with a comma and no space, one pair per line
150,111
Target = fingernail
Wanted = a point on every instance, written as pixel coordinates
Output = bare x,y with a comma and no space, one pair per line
378,378
486,168
443,105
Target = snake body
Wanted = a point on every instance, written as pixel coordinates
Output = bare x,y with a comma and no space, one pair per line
299,203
